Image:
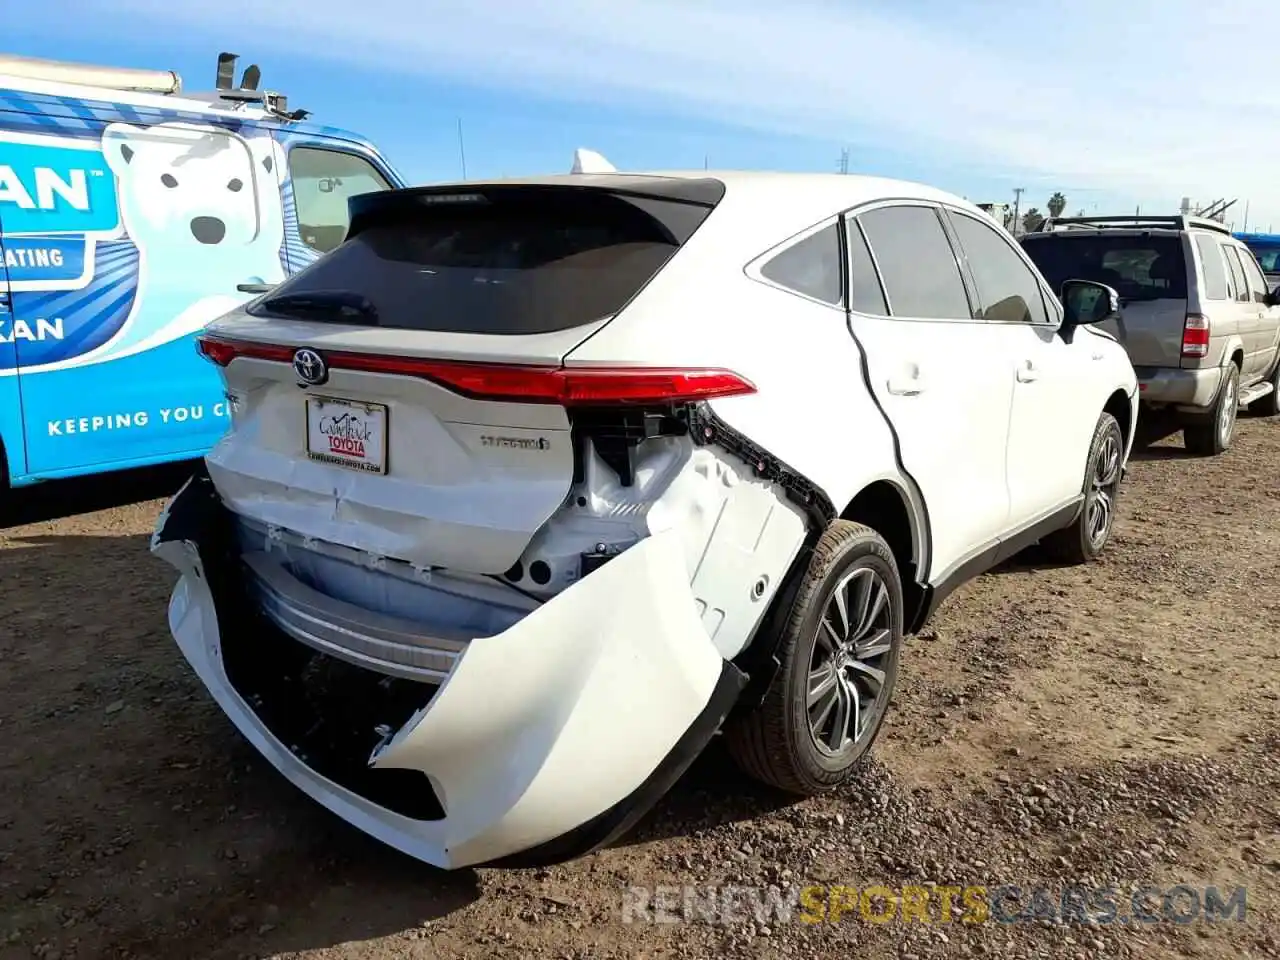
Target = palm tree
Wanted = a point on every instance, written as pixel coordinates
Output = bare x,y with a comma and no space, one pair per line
1031,220
1057,203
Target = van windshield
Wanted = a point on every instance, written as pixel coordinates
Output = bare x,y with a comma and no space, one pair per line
1138,267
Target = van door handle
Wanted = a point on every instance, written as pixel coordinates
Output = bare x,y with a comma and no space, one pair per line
909,384
1027,373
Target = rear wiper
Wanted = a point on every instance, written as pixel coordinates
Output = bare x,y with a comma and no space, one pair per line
322,305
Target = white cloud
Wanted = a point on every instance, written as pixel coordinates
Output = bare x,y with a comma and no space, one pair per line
1151,99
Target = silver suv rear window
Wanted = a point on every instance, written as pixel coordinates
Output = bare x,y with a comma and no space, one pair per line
1138,267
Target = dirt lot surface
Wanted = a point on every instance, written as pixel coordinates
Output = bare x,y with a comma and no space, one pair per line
1117,724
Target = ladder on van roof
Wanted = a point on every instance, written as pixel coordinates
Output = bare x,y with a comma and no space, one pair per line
1177,222
163,82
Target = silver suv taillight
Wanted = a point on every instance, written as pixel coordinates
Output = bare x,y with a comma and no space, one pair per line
1195,336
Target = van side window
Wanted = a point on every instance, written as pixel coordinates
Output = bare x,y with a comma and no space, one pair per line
1237,274
323,181
1215,271
810,267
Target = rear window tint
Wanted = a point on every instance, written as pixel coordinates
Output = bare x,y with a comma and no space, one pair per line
1136,267
1215,271
1257,283
1237,275
811,267
865,292
527,263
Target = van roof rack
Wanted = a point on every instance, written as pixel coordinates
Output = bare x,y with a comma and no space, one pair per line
1177,222
163,82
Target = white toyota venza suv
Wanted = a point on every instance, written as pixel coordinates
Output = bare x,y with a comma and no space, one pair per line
533,486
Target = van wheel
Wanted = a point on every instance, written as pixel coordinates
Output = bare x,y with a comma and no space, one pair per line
1090,532
1210,435
839,658
1269,406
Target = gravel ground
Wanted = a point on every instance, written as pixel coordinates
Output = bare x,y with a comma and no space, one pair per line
1113,725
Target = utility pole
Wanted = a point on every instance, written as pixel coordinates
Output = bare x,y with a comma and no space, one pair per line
462,150
1245,228
1017,207
844,160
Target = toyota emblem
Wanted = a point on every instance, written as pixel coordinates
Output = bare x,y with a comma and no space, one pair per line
310,367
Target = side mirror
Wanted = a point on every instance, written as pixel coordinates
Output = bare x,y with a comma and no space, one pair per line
1085,302
1273,298
255,288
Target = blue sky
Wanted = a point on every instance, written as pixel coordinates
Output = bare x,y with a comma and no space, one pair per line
1117,103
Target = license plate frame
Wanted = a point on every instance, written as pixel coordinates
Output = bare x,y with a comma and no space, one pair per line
347,445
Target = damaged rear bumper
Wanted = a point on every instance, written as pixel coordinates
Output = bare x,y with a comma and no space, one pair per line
540,743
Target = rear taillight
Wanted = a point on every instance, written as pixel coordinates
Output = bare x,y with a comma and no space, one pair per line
222,352
1195,336
526,384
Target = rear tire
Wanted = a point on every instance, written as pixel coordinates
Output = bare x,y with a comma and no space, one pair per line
1269,406
835,670
1090,532
1210,435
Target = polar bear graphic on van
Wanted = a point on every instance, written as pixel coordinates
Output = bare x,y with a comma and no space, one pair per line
202,205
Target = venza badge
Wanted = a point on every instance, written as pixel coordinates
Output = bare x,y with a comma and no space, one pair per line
310,367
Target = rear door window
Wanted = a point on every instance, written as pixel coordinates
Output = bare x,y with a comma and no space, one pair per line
1237,275
1138,267
506,261
1257,283
810,267
866,295
1215,271
917,263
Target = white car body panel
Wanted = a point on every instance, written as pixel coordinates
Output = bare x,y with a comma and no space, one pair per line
625,650
549,700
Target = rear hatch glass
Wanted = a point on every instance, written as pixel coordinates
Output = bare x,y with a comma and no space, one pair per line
1138,267
510,260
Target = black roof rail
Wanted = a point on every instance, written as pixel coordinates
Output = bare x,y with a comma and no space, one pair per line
1176,222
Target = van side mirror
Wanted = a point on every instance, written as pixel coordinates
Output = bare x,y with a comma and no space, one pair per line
1085,302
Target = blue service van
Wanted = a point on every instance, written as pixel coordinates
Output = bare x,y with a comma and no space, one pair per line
132,214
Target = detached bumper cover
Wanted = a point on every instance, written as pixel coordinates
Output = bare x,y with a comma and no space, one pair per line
543,742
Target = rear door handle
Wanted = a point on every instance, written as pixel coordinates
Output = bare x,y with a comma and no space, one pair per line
1027,373
907,384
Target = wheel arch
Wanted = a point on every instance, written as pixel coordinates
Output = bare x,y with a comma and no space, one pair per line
1120,406
897,512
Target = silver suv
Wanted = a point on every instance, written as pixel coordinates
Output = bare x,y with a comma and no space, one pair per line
1197,317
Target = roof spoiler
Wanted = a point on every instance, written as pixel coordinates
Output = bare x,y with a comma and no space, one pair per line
588,161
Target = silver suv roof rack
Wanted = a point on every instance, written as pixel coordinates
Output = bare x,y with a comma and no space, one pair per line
163,82
1177,222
